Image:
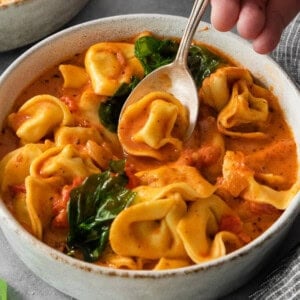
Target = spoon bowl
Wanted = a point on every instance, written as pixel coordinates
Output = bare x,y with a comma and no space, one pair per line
175,78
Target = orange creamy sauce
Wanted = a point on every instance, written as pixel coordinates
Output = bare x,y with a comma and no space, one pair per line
275,154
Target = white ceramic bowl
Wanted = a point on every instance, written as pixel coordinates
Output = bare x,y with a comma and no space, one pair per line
25,21
87,281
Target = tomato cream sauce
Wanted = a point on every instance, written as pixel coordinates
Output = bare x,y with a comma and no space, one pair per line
276,154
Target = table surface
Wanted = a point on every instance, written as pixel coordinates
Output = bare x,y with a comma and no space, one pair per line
22,283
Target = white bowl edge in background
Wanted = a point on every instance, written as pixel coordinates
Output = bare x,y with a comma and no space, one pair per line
26,21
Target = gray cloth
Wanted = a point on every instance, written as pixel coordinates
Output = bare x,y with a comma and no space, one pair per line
283,282
287,54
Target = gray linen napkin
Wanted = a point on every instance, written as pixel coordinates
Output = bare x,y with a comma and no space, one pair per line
283,282
287,53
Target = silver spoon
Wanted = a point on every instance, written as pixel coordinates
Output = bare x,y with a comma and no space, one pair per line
175,78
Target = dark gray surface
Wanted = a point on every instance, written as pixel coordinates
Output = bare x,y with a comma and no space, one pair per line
23,284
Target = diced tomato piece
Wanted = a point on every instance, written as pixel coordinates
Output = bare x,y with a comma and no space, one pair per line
70,102
234,224
262,208
231,223
244,237
16,189
59,206
61,220
209,155
133,181
20,188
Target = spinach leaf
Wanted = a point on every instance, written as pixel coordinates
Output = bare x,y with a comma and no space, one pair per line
109,110
154,53
202,63
92,208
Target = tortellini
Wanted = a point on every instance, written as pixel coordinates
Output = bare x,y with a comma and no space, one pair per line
171,263
88,106
86,140
36,173
166,228
216,89
242,105
39,197
74,77
243,108
64,163
200,224
173,221
78,136
264,194
38,117
154,126
148,229
111,64
15,166
239,180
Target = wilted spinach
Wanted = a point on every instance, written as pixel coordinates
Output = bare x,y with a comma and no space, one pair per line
202,63
92,208
109,110
154,53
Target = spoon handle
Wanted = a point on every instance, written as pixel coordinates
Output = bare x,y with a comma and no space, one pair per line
193,22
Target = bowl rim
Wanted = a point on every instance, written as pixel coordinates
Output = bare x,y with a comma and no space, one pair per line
8,219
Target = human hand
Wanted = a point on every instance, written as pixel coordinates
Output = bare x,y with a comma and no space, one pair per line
261,21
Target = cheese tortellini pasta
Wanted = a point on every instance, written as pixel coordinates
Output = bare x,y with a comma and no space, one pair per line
141,197
153,126
38,117
110,64
239,101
